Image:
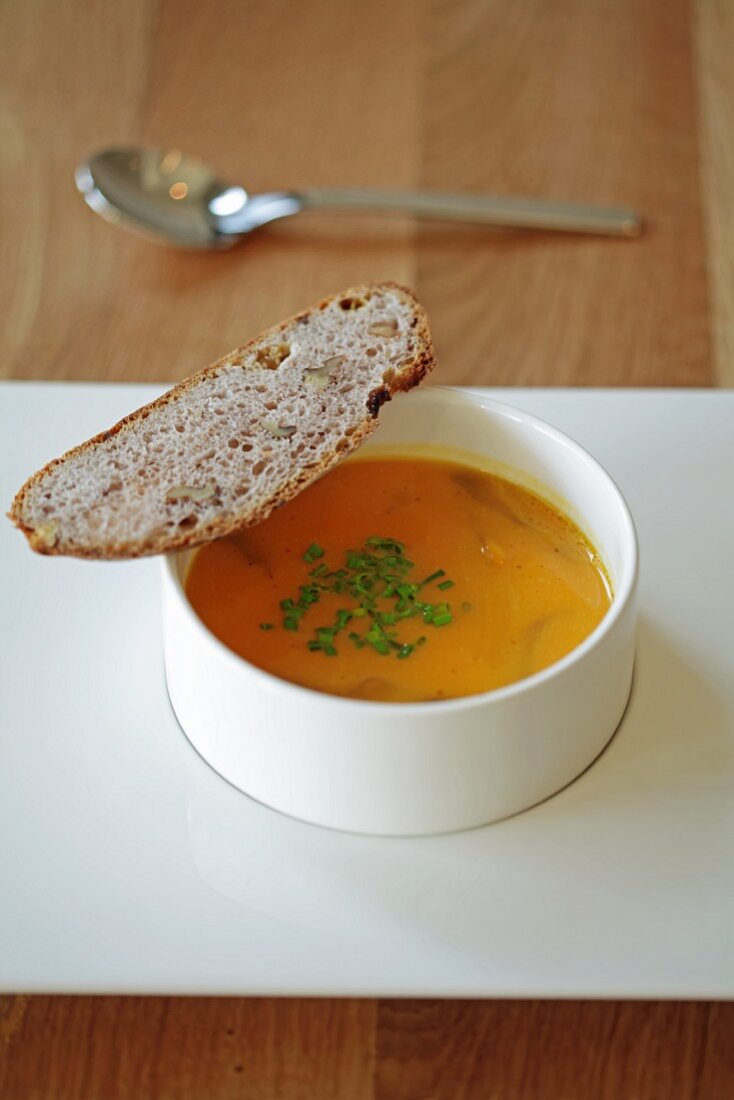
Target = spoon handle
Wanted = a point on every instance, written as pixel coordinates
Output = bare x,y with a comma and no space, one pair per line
480,210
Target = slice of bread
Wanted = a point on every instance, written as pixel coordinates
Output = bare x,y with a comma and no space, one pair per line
230,443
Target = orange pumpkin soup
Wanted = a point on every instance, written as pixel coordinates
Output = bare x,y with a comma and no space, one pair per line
403,579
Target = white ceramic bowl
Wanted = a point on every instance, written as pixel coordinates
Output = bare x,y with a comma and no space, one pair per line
412,768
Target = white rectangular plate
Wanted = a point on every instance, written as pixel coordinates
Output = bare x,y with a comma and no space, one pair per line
127,865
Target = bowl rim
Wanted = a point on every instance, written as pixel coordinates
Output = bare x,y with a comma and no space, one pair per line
622,597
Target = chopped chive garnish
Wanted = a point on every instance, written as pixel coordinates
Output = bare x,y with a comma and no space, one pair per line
377,578
385,544
314,551
433,577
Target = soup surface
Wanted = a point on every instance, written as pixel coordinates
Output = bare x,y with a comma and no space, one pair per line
403,579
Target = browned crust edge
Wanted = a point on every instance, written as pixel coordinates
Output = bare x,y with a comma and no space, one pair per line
422,363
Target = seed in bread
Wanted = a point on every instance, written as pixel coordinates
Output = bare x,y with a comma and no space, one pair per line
235,440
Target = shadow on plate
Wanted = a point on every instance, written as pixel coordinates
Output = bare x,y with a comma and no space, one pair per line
619,836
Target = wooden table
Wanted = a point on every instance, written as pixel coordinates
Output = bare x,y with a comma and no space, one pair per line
630,101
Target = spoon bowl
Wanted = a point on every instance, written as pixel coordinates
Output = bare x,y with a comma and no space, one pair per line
168,196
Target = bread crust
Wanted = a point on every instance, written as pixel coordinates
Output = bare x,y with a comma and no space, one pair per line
410,374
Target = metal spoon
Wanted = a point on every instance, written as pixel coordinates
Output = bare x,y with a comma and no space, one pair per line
179,200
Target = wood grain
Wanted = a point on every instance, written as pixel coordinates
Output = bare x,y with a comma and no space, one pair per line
128,1048
269,93
714,39
576,1050
573,99
624,101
